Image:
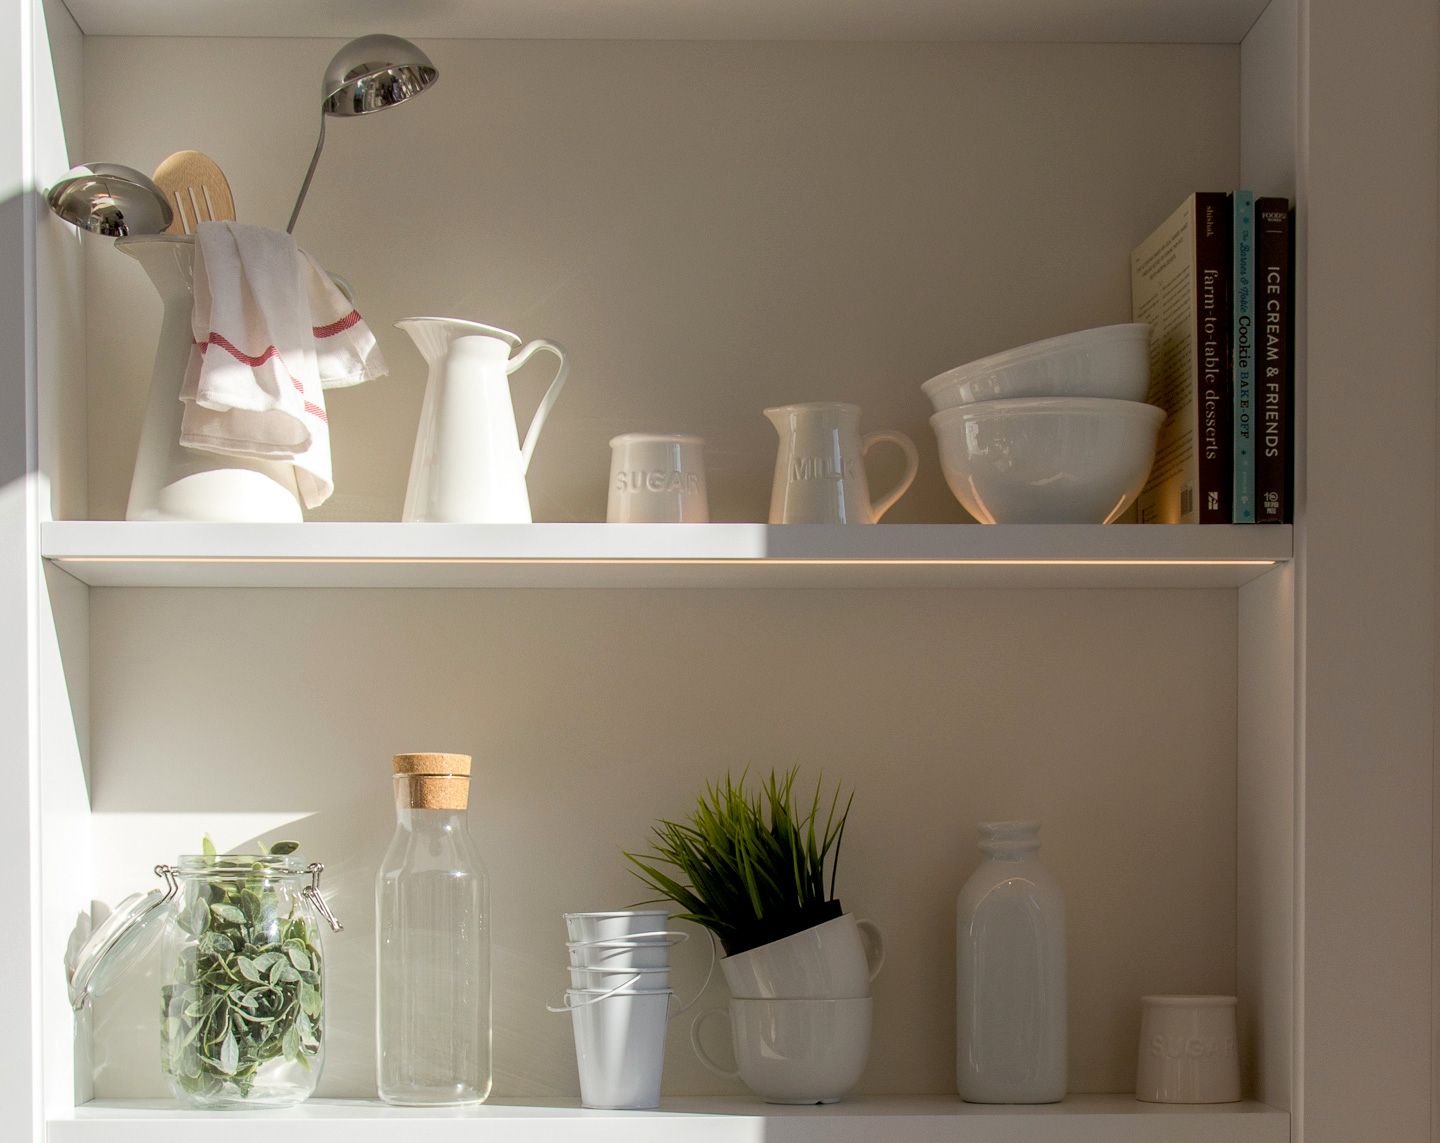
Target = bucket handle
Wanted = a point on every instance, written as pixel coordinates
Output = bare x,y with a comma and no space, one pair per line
619,989
672,937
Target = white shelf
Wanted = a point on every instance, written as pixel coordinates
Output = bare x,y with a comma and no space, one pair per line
894,1119
1076,21
118,554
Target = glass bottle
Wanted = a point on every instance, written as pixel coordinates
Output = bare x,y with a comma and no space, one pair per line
432,964
1010,969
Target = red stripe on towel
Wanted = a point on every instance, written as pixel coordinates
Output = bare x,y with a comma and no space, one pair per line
254,362
337,326
240,355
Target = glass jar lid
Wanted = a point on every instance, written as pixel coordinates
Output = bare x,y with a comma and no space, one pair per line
122,939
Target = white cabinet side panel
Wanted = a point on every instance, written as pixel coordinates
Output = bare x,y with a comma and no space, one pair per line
59,263
20,1049
1265,835
1367,557
1269,73
63,636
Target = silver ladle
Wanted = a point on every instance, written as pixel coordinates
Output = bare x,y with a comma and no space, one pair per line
107,198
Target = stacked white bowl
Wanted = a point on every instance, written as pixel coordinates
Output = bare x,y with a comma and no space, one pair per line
1054,432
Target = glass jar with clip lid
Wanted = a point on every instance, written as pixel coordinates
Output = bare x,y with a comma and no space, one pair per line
242,997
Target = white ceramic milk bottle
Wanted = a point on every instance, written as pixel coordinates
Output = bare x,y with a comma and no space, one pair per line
1010,967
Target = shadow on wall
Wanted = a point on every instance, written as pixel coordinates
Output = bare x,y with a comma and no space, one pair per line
17,417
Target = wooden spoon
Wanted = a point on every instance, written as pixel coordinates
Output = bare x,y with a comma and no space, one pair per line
197,190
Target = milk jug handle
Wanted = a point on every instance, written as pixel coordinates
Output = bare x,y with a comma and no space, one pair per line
537,422
912,465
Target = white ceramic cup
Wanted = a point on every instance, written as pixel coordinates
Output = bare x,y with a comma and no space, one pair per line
833,961
657,478
1188,1050
619,1046
793,1051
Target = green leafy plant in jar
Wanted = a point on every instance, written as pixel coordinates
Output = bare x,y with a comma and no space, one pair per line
243,1005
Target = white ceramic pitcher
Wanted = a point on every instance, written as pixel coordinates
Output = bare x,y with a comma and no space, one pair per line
820,467
469,466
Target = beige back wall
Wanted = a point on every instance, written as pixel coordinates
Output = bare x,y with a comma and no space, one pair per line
592,713
709,228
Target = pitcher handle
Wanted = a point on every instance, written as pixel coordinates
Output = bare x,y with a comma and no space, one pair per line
912,465
537,422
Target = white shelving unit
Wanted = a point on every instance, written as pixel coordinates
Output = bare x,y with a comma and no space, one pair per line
1277,842
600,555
1079,1119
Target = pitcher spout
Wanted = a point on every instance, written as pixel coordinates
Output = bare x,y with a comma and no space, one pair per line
433,336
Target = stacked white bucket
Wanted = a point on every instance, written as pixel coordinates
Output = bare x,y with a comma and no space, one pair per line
619,1000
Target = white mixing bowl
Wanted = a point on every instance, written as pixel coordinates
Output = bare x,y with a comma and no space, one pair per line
1047,460
1112,362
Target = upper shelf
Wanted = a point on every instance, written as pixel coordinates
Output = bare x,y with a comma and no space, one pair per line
1062,21
119,554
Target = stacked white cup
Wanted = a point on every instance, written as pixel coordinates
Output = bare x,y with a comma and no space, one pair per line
619,1001
800,1012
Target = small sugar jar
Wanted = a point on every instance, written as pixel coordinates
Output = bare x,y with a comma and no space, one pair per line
242,996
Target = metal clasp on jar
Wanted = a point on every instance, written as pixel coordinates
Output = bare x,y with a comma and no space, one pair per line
312,894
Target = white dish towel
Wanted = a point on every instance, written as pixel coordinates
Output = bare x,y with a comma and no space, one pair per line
272,332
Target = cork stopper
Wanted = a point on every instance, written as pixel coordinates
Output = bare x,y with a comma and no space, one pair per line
435,781
433,764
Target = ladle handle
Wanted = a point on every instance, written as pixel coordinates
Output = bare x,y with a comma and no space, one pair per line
537,422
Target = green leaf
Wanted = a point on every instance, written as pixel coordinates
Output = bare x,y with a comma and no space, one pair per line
249,969
283,971
229,1055
292,1042
213,943
228,913
311,1001
296,952
281,848
207,847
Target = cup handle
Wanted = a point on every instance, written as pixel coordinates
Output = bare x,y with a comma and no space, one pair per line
912,465
709,973
700,1051
874,946
537,422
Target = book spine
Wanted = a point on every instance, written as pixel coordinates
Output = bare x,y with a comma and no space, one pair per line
1242,356
1274,375
1212,284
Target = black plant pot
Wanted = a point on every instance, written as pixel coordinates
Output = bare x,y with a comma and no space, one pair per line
765,930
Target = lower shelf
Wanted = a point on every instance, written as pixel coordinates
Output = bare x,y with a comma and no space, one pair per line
695,1119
